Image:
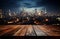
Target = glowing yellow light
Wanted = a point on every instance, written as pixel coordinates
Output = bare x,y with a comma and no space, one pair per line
58,18
39,14
10,22
46,19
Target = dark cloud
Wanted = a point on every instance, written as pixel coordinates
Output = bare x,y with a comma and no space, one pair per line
13,3
51,5
8,3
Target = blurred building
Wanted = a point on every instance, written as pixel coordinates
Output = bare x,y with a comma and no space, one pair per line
45,11
36,12
0,13
41,13
9,13
23,13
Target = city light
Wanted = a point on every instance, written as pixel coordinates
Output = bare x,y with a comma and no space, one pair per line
58,18
10,22
39,14
46,20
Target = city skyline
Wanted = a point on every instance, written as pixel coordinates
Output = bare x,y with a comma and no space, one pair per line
52,6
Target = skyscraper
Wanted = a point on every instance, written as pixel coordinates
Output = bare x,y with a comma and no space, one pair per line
35,12
0,13
42,13
45,11
9,13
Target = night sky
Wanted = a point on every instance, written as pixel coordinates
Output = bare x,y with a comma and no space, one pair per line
50,5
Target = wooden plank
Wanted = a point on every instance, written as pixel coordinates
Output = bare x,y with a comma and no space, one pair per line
38,31
30,31
21,32
6,31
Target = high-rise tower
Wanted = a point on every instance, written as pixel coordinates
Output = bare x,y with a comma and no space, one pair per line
9,12
0,13
45,11
36,12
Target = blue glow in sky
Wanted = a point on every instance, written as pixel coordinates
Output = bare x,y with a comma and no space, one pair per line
32,9
27,3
